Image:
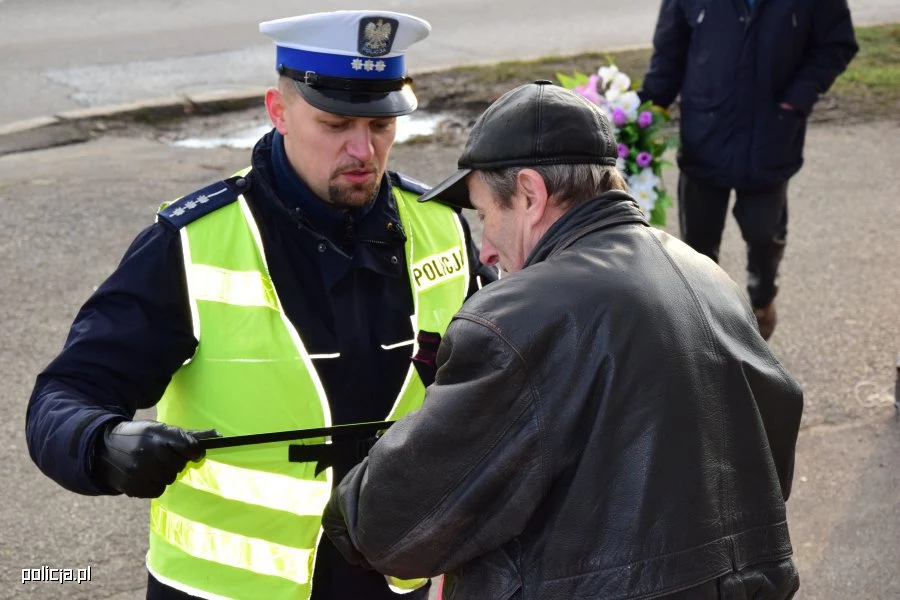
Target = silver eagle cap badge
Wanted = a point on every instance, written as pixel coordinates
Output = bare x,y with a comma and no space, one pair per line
376,35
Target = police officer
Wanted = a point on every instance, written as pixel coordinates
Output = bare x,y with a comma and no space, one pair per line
291,295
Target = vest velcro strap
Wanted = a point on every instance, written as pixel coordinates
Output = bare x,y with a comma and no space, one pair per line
231,549
347,451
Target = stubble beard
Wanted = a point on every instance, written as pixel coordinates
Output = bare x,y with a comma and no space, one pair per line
353,195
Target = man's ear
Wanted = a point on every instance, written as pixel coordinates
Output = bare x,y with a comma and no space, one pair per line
534,190
276,104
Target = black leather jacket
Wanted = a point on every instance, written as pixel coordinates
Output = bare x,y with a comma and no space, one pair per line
606,423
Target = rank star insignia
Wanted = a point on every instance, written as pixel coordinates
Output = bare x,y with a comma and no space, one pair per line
379,66
178,212
202,199
356,64
369,65
190,204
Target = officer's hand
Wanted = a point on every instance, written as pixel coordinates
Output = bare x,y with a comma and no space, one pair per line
140,458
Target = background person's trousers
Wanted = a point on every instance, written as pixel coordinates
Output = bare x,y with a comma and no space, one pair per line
761,215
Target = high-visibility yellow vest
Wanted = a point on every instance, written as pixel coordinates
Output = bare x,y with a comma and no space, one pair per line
244,523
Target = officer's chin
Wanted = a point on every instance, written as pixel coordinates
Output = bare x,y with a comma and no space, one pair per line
352,195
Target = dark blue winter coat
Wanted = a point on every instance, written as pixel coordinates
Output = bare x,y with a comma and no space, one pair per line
733,65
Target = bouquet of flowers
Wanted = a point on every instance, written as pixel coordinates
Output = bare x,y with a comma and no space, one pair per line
638,129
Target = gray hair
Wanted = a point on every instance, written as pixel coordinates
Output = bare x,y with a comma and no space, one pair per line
569,184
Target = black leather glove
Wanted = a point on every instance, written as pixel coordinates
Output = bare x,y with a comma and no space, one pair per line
140,458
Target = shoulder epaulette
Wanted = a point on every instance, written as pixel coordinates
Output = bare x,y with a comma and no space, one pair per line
188,209
409,184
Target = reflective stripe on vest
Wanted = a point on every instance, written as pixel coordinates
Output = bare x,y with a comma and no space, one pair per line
259,488
404,586
245,522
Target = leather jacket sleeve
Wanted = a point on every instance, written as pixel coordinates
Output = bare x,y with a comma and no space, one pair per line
780,404
456,479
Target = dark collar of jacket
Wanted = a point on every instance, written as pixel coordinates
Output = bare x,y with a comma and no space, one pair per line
292,196
296,195
366,239
606,210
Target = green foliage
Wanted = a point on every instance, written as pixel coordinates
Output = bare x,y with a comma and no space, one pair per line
573,81
875,71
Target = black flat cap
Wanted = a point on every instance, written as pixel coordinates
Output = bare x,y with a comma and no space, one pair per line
535,124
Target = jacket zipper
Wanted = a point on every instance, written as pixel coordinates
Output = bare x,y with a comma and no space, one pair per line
377,242
323,239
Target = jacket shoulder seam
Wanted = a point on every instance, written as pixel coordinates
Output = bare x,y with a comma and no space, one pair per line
454,485
495,329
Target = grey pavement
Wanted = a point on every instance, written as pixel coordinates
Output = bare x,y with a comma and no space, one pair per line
58,56
68,214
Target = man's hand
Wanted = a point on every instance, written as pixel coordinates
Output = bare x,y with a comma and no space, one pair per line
140,458
335,527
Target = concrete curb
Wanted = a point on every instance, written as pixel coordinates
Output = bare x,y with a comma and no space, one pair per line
74,126
79,125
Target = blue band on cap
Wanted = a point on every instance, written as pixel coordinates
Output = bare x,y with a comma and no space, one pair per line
340,65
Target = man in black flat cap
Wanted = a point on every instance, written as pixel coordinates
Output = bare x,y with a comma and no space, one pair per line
606,421
288,296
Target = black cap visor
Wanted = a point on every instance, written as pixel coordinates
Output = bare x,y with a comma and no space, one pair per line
359,104
452,191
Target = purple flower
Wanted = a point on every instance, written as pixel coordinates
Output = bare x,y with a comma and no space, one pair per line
624,151
589,90
619,117
645,118
644,159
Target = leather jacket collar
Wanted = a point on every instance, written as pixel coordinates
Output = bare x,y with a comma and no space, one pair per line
607,209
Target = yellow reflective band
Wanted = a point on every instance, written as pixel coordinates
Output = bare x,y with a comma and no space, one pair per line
438,268
191,591
270,490
404,586
243,288
230,549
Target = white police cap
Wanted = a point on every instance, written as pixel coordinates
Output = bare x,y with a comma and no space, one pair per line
349,62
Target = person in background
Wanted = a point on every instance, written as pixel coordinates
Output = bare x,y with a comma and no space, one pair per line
307,290
748,73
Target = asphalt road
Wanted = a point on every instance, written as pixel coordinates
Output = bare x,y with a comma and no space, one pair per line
57,55
68,213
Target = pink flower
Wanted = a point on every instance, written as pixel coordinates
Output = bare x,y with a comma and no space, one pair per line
645,118
623,151
644,159
589,89
619,117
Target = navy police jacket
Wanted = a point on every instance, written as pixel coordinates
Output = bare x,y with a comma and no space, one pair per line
337,279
